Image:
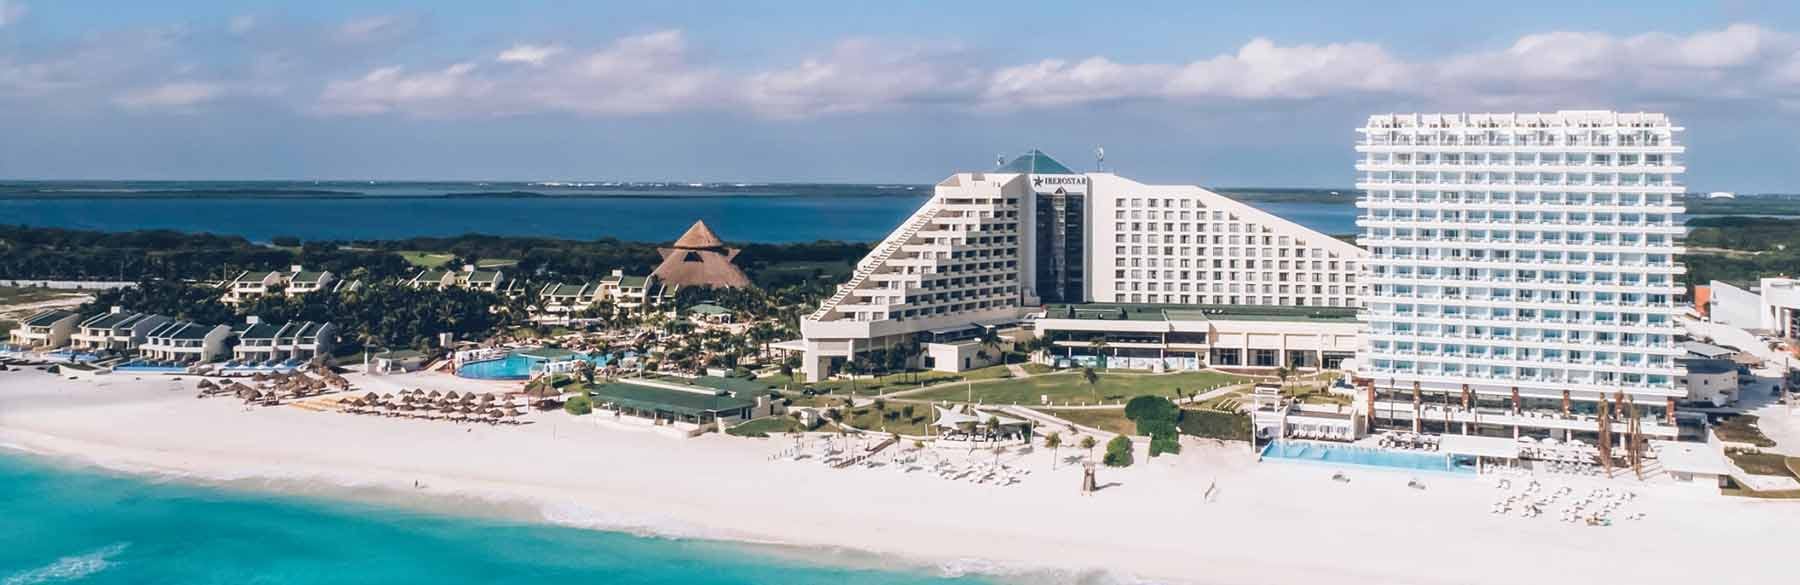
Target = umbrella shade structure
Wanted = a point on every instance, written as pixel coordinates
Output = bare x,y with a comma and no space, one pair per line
371,397
452,396
205,385
487,398
435,394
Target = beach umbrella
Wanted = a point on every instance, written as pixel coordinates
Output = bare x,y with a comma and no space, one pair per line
436,394
451,395
468,398
371,397
205,384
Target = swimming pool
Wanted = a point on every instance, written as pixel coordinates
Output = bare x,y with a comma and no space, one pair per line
1354,455
515,366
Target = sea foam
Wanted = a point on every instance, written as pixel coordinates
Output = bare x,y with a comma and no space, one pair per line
69,568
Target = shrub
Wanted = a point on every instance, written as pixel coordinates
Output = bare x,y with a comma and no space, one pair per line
1147,407
579,405
1160,444
1213,424
1118,452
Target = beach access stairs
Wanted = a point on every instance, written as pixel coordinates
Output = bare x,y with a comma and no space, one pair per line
874,262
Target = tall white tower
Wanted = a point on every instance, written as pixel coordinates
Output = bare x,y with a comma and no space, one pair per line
1522,274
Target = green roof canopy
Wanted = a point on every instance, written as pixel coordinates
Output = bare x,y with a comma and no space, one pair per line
1035,161
664,400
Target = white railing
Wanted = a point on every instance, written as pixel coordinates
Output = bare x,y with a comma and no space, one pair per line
874,261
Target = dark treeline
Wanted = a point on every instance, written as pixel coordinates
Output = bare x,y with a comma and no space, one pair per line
1749,248
54,253
28,252
381,314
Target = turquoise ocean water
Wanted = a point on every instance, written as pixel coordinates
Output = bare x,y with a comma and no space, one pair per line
60,525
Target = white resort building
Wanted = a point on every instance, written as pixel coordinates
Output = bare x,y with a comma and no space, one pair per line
115,330
1522,274
1028,240
44,330
249,285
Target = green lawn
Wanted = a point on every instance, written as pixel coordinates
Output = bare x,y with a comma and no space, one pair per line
765,427
1109,419
867,386
1742,429
425,259
7,326
1069,387
1765,463
893,419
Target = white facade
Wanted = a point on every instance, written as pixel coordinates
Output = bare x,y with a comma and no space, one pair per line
1181,244
1730,305
955,261
1521,255
988,246
1779,307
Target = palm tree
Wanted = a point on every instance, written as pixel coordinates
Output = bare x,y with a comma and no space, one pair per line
1283,373
993,427
1088,442
852,368
1099,347
1093,382
1054,442
990,339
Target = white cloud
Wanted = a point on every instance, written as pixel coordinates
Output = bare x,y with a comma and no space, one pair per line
392,88
12,11
861,75
371,29
533,55
242,24
181,94
634,75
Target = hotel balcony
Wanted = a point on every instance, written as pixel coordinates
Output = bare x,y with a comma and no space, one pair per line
1489,384
1613,366
1375,302
1534,186
1493,264
1645,227
1666,328
1471,204
1516,244
1467,281
1403,411
1370,165
1514,341
1379,144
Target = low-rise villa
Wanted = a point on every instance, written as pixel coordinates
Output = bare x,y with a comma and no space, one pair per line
298,341
185,342
250,285
632,292
563,297
116,330
44,330
469,277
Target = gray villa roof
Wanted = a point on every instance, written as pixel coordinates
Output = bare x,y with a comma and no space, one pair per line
46,318
181,330
308,276
260,331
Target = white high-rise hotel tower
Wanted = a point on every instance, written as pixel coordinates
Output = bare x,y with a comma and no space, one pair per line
1522,269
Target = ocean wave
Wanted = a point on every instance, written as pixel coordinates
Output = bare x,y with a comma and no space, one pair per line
70,568
573,516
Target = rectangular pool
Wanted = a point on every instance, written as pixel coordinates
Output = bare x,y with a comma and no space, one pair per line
1355,455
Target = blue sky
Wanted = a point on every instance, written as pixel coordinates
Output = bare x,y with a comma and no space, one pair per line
1216,93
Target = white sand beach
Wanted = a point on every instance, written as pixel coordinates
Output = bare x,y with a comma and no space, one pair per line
1271,523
